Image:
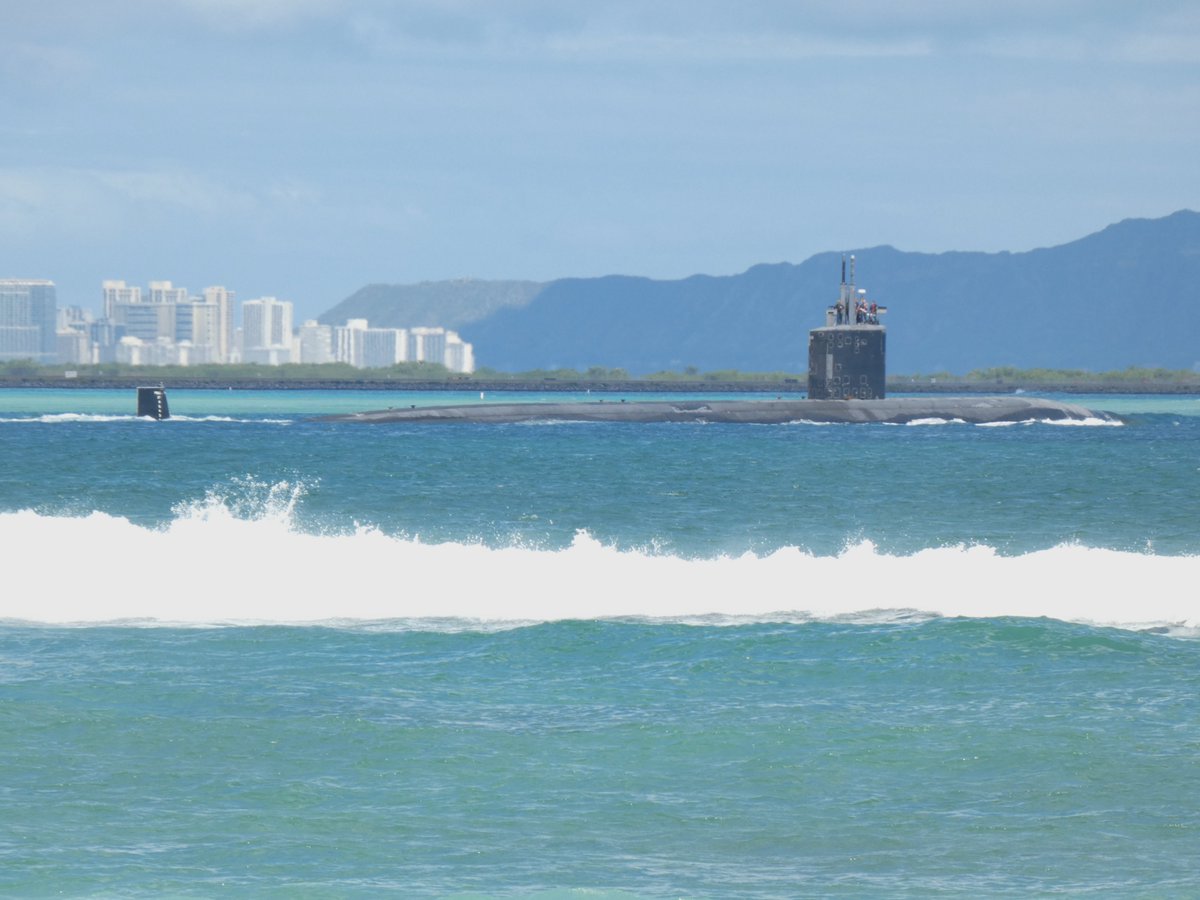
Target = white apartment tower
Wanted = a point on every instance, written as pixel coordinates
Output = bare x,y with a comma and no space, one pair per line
382,348
373,348
460,356
348,342
426,344
267,331
197,326
222,299
314,343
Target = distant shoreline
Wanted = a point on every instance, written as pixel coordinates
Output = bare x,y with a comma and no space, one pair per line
902,385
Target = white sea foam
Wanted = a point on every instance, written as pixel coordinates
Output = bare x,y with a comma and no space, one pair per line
222,561
69,418
62,418
1090,422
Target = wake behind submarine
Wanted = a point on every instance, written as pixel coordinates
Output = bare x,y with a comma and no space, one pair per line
846,384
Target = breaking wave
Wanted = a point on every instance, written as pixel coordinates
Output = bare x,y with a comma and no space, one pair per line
241,559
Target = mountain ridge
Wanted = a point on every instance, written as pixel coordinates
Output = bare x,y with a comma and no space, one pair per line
1125,295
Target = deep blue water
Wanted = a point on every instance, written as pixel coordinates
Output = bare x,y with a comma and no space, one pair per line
245,652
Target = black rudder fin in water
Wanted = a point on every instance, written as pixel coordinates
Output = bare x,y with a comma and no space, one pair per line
152,402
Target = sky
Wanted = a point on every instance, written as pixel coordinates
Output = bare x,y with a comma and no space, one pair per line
304,148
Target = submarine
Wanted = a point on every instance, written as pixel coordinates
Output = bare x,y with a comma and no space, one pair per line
893,411
847,364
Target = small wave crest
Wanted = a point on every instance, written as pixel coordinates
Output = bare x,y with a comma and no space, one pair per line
74,418
936,421
237,556
1090,422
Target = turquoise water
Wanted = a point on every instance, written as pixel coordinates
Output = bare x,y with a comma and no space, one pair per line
248,653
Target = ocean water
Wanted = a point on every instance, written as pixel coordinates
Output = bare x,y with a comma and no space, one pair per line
247,653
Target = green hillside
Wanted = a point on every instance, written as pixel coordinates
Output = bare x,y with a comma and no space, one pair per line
450,304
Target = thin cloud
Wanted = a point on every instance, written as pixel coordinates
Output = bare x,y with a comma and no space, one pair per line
623,30
184,191
720,49
707,31
43,65
1164,47
75,200
625,47
255,14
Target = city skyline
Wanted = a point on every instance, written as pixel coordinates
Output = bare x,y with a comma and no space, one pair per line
307,149
166,325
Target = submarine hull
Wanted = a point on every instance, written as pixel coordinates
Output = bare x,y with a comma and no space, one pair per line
895,410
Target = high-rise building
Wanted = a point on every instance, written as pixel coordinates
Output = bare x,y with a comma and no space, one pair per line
426,344
199,328
147,317
104,336
460,356
165,292
197,324
368,348
348,342
314,343
267,331
28,314
118,292
384,347
73,339
146,321
75,317
223,300
437,345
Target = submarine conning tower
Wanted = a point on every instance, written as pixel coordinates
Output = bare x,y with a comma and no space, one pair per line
846,357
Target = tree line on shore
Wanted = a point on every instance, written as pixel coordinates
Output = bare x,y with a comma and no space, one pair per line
1002,377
